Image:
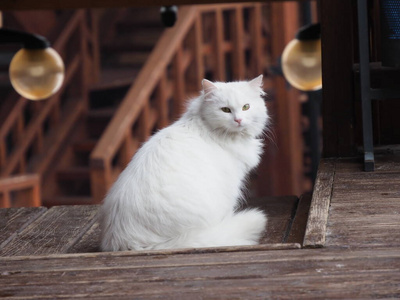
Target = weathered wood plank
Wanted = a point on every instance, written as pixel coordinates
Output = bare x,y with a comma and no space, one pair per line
279,210
277,274
221,288
55,231
75,4
14,220
298,228
182,258
365,206
89,242
319,209
74,229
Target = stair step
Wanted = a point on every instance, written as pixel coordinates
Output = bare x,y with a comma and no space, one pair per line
128,59
106,98
101,113
68,200
73,173
115,78
97,120
143,39
85,145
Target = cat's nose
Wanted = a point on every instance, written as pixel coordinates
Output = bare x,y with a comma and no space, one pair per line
238,121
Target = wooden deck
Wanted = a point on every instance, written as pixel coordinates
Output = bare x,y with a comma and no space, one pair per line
356,256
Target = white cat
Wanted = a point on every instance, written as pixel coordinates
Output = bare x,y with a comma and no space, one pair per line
183,186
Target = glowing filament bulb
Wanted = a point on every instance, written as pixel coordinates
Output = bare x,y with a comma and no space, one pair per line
36,74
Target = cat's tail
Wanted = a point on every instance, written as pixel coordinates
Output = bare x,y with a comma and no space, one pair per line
242,228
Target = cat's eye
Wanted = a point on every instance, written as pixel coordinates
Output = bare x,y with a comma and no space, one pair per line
246,107
226,109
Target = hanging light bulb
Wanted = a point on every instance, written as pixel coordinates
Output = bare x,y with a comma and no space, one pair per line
37,70
36,74
301,59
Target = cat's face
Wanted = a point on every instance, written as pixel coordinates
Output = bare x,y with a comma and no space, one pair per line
234,108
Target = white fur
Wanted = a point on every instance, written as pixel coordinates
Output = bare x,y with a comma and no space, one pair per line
183,186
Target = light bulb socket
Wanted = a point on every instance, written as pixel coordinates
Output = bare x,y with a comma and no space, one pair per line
28,40
169,15
309,32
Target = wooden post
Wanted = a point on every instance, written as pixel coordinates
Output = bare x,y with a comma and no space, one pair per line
337,78
101,180
285,161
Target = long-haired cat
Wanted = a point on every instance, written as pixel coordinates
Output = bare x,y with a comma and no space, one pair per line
183,187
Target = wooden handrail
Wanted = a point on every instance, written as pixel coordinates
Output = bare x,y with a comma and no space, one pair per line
181,48
144,84
23,190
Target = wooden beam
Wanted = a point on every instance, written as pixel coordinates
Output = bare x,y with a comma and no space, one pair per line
319,210
74,4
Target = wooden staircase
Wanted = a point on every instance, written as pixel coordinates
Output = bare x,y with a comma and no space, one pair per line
124,49
79,140
34,134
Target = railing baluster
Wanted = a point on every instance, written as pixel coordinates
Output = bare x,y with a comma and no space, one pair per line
198,51
126,150
101,179
179,82
237,33
161,102
257,58
219,55
144,119
36,194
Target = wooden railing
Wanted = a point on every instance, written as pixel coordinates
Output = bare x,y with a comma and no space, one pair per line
22,190
23,133
220,42
33,132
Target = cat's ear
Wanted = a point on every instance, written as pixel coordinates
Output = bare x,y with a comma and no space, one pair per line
257,82
208,86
